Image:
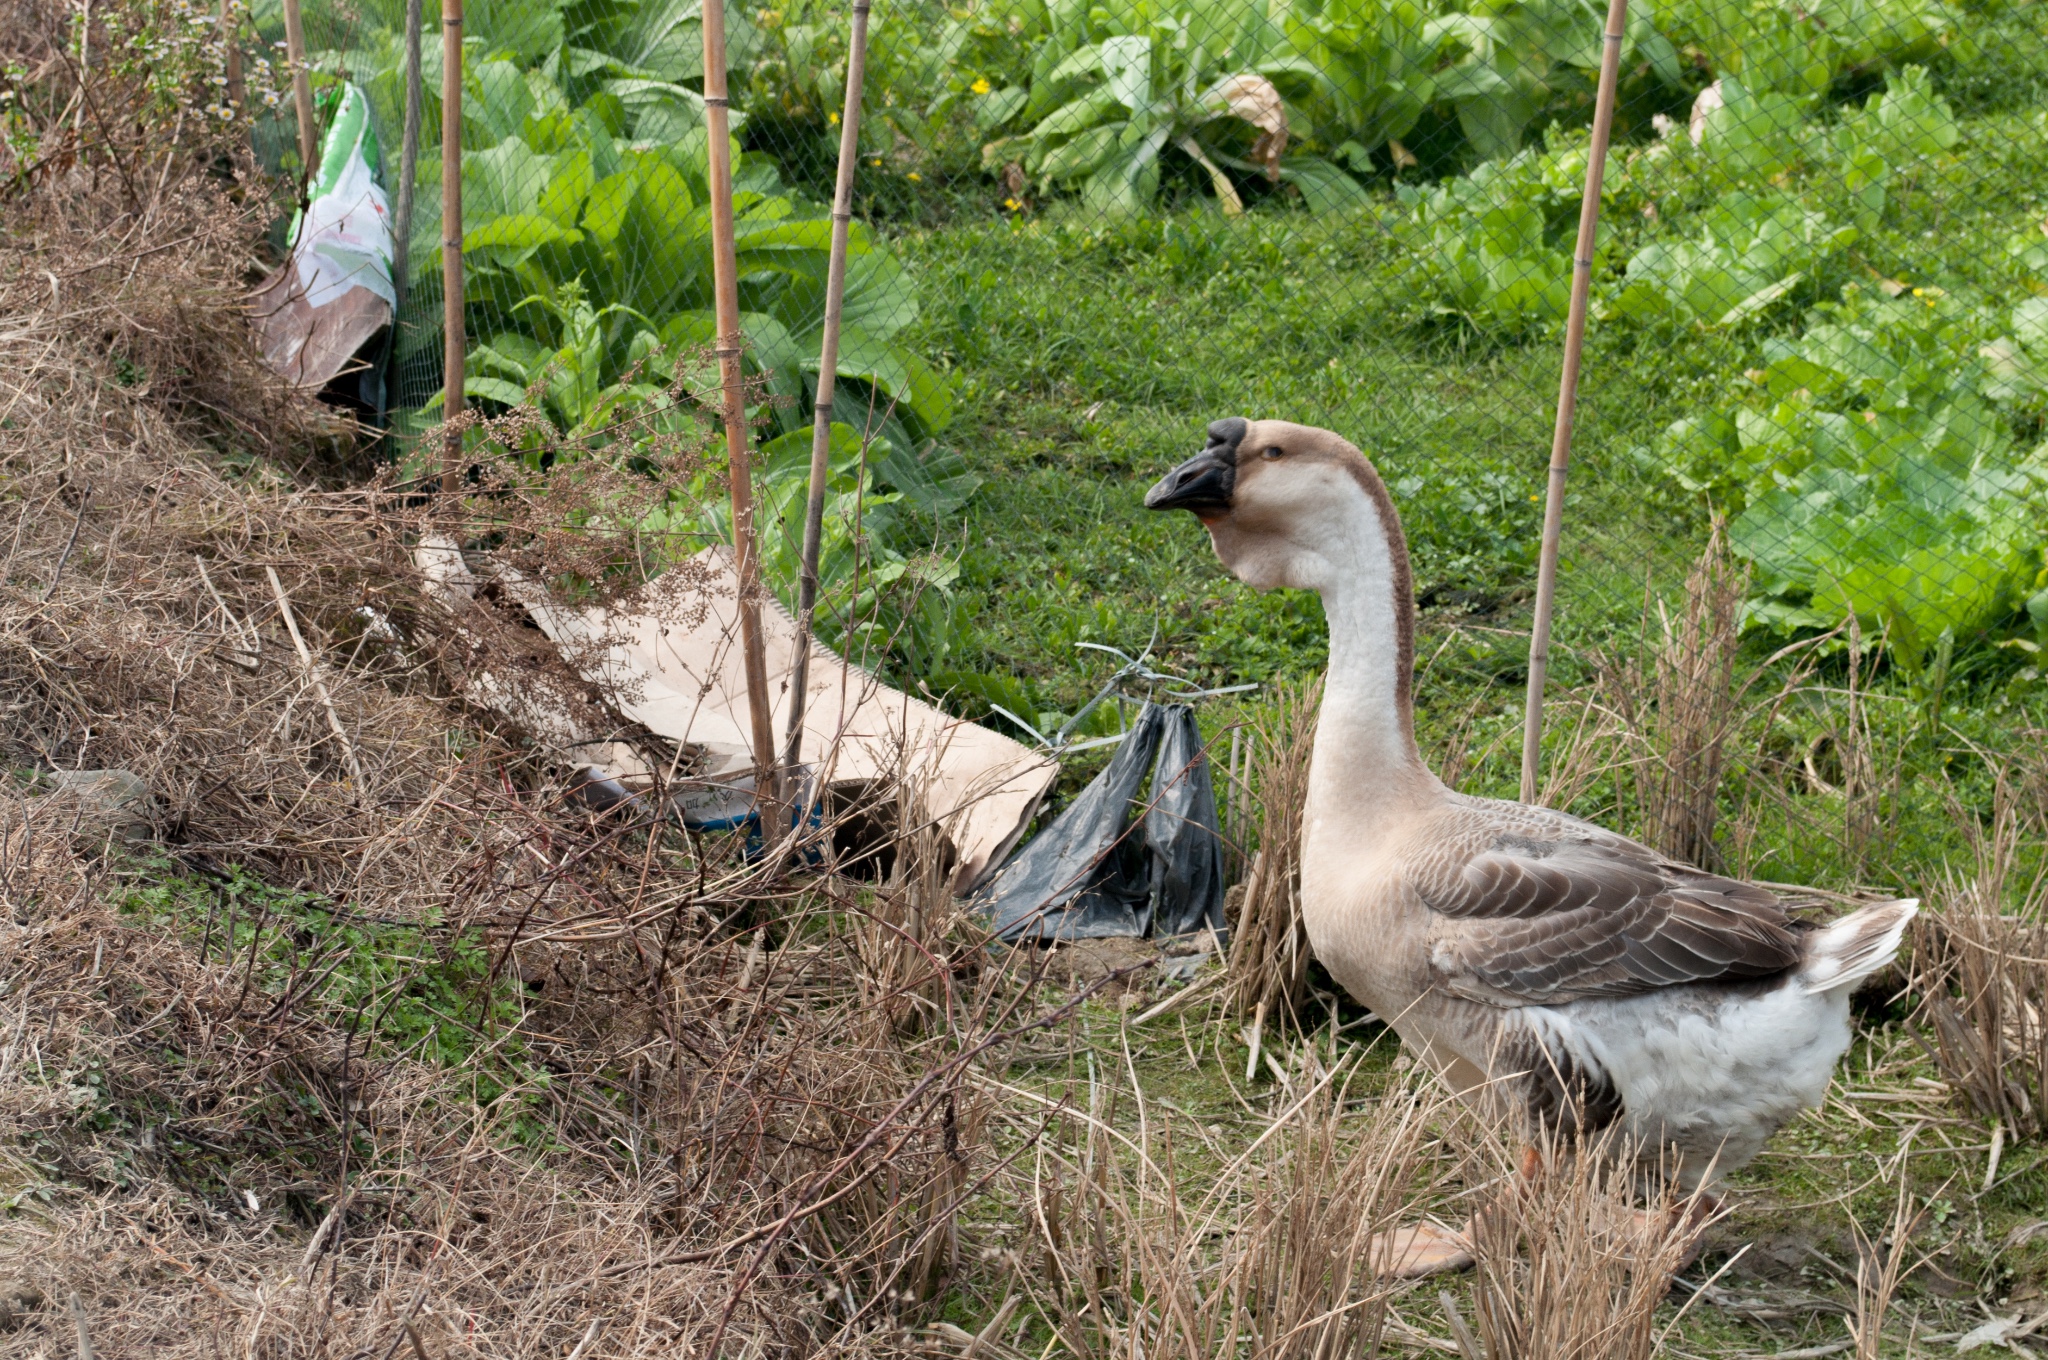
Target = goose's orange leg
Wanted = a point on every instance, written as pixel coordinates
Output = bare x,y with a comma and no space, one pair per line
1432,1249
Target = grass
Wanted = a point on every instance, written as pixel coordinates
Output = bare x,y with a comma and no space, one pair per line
1088,355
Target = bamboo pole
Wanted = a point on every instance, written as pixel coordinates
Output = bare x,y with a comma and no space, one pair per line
1568,393
739,462
451,243
408,161
230,36
828,367
401,217
302,89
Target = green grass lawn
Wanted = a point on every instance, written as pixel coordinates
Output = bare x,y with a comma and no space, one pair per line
1088,355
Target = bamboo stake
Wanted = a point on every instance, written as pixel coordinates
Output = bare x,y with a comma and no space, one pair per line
408,162
451,243
334,723
230,35
401,217
828,367
739,463
1568,393
302,87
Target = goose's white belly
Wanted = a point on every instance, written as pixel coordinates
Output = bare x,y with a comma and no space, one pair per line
1713,1070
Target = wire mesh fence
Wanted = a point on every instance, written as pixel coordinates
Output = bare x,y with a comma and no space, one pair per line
1818,315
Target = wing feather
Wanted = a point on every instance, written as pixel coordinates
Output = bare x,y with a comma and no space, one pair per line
1556,910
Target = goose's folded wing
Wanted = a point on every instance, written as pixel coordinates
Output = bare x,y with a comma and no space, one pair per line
1525,920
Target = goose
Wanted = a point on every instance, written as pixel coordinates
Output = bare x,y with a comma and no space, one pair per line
1584,979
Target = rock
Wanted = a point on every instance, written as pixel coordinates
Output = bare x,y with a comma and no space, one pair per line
119,799
18,1298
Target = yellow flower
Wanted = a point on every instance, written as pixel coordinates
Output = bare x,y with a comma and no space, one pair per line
833,119
1012,204
914,177
980,86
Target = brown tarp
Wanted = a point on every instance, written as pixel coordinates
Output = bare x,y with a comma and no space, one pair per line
668,657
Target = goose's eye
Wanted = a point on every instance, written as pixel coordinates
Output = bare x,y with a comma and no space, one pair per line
1274,451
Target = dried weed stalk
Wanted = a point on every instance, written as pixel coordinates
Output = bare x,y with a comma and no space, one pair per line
1269,951
1693,706
1570,1260
1982,973
1276,1260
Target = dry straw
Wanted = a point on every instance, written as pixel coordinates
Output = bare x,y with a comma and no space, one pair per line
1269,951
1981,955
653,1097
1283,1254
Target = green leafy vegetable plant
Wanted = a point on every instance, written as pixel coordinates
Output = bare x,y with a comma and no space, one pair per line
1801,50
1880,473
1748,251
1111,88
1495,246
1509,64
880,594
576,222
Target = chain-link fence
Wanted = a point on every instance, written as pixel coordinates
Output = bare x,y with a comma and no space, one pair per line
1818,311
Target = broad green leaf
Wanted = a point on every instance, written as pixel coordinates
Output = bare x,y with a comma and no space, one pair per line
1127,70
494,389
567,188
496,101
503,180
1083,113
1324,187
771,345
1082,155
934,479
998,107
517,234
524,30
1759,300
899,373
609,201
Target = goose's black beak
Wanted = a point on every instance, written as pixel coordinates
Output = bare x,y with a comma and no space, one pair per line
1204,483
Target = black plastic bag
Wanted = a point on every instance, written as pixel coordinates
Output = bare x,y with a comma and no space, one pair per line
1112,864
1182,837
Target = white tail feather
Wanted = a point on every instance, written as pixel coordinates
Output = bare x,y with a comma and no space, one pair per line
1843,953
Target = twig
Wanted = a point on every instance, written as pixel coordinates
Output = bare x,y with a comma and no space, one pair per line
250,657
69,543
291,626
321,1235
85,1351
1467,1347
1175,1001
1251,1066
590,1336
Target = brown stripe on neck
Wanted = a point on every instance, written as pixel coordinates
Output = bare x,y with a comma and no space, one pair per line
1368,478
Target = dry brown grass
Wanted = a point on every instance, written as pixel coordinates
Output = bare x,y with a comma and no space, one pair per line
1570,1261
1981,957
1269,951
1276,1258
1693,705
652,1097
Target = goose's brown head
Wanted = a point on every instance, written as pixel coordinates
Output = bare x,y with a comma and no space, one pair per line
1283,503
